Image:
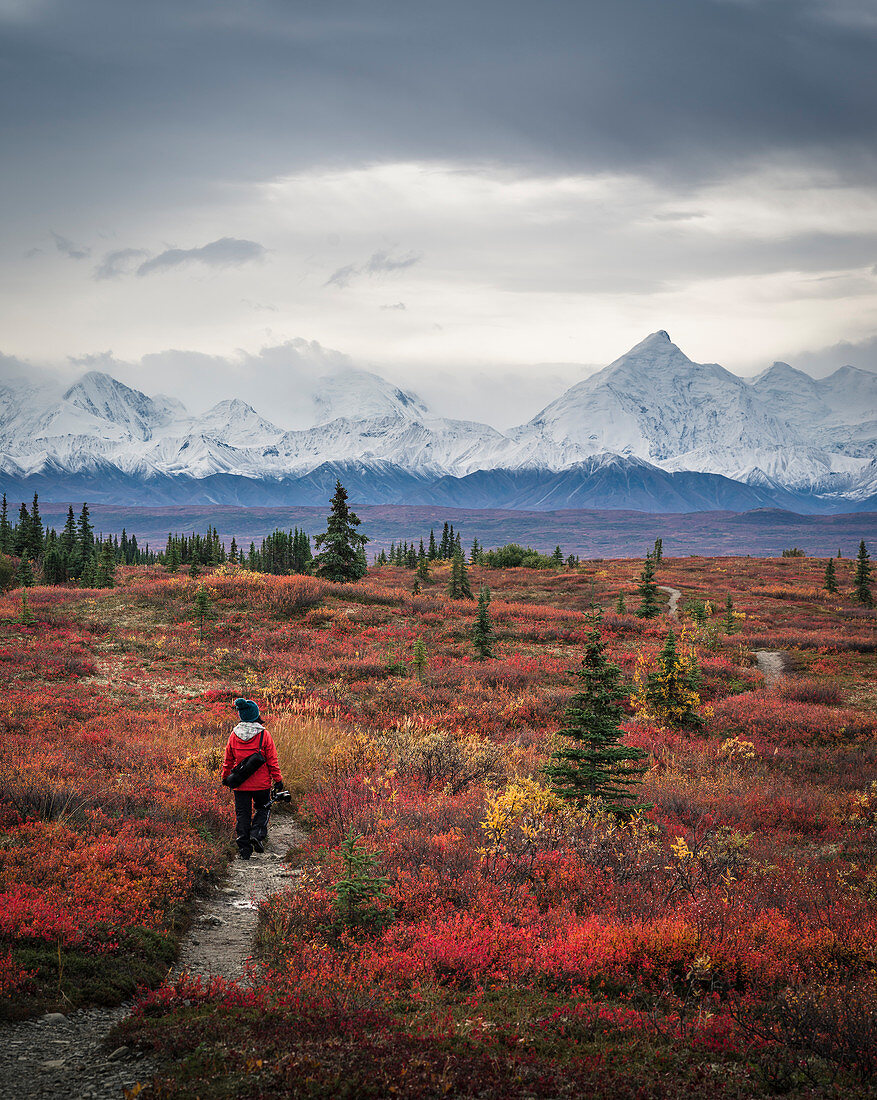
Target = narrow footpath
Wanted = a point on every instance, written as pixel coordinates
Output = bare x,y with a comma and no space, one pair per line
673,605
65,1056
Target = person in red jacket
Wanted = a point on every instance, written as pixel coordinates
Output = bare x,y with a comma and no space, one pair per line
252,799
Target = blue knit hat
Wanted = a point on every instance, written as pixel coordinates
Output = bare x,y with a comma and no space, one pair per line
248,710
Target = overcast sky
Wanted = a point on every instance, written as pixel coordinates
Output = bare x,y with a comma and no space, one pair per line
453,194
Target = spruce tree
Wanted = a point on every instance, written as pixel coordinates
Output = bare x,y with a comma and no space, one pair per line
24,577
862,577
483,634
202,608
5,529
37,541
89,571
620,605
454,581
648,590
85,534
729,622
341,547
432,552
671,693
423,574
830,582
557,558
591,761
105,573
420,656
445,544
54,566
26,616
173,556
21,533
658,552
458,586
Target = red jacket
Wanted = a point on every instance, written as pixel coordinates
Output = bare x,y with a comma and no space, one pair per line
237,750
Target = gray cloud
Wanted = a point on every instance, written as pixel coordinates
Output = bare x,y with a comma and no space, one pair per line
68,248
853,353
118,263
226,252
379,263
679,88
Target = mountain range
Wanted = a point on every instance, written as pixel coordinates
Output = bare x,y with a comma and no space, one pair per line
652,431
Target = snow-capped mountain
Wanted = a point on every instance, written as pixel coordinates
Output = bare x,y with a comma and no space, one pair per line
653,430
361,395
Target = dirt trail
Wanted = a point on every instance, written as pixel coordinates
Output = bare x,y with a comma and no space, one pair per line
63,1055
772,663
221,936
675,596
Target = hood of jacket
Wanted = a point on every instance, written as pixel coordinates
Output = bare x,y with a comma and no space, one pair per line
246,731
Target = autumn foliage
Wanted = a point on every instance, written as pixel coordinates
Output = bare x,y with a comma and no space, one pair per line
518,944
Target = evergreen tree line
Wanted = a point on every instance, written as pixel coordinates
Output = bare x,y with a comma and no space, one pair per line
280,553
450,546
73,555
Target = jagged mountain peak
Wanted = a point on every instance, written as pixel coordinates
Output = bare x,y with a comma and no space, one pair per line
653,407
100,395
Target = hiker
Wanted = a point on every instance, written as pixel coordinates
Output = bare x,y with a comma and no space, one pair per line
252,795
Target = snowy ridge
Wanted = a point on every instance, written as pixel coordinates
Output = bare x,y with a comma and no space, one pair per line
651,415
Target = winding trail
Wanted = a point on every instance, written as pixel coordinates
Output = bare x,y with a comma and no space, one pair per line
675,595
772,663
65,1056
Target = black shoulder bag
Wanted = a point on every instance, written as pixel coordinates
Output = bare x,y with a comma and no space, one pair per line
247,767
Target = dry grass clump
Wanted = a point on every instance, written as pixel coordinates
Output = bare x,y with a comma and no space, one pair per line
303,745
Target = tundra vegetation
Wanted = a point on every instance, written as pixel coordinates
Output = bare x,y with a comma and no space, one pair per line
461,927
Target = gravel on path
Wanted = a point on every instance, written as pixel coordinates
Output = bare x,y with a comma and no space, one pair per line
772,663
67,1056
674,595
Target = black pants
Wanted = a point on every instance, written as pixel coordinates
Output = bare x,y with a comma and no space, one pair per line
251,810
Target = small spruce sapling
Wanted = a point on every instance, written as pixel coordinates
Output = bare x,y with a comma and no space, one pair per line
202,609
591,762
420,657
620,605
458,584
830,582
361,892
483,634
670,694
729,622
25,616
